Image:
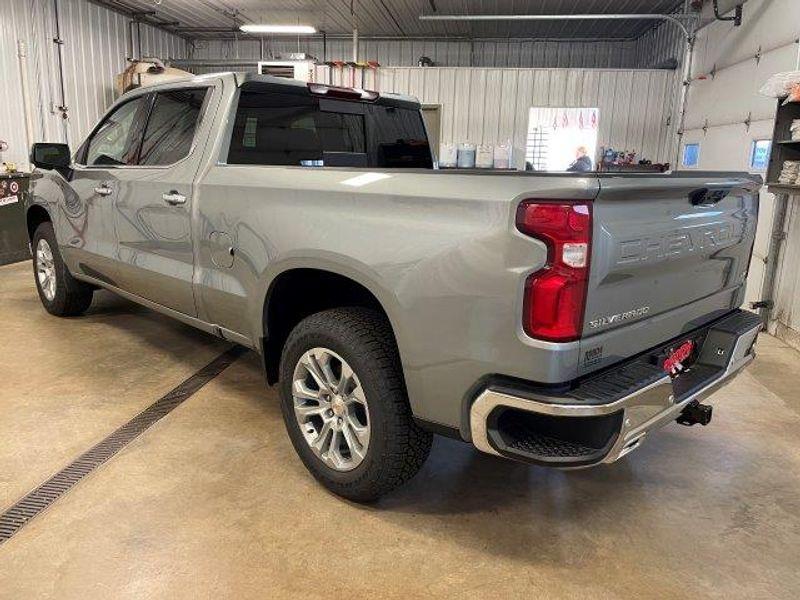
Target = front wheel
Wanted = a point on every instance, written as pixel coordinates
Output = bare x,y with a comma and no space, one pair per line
345,405
61,294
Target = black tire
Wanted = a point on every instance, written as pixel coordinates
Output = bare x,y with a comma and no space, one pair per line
398,447
72,297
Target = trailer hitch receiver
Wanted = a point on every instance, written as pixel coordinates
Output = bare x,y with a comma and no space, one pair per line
695,413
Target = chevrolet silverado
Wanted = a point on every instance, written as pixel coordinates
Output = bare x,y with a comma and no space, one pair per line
553,318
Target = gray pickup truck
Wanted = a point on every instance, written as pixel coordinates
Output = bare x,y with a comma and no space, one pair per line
552,318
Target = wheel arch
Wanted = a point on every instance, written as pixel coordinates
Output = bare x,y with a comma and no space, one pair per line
35,216
301,289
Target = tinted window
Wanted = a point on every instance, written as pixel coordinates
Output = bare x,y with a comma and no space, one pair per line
171,126
117,139
397,138
285,129
294,129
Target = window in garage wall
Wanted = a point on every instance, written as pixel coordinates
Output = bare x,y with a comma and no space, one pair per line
555,134
538,147
759,154
691,156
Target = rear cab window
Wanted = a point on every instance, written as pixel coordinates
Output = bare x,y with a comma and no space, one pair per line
284,126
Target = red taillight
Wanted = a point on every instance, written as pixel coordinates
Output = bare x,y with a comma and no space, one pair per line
556,294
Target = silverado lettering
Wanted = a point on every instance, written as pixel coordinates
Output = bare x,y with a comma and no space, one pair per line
624,316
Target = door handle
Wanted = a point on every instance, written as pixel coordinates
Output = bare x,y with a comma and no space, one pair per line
103,190
173,198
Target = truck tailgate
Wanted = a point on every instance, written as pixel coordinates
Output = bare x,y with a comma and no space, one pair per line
669,253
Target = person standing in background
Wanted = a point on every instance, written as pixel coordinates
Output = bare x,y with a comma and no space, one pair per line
582,161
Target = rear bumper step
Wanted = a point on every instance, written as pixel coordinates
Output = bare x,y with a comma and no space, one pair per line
607,416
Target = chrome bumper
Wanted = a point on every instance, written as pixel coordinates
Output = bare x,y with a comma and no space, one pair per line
643,410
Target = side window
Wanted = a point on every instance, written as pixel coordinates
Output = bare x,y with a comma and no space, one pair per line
759,154
691,156
289,129
117,139
171,126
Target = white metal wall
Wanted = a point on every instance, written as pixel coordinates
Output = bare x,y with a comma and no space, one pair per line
663,42
490,106
560,54
96,43
735,63
449,53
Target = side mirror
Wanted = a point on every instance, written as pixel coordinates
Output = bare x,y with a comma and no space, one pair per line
47,155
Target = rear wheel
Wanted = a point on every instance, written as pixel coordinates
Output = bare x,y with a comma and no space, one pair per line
61,294
345,406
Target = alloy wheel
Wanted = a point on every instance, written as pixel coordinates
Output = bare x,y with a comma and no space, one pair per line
45,269
331,409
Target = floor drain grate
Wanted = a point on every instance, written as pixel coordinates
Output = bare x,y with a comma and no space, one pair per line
51,490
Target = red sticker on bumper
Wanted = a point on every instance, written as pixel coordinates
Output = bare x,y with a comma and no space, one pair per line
674,362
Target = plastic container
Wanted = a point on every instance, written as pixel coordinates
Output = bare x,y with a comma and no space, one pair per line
466,156
484,157
448,156
502,157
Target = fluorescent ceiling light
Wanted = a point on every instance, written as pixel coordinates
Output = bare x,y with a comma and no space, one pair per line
264,28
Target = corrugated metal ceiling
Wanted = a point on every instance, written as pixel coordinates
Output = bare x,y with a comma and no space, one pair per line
193,18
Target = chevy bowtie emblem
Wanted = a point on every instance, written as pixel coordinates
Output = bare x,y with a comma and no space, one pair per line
674,361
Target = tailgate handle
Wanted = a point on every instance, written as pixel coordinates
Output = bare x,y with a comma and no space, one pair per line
706,197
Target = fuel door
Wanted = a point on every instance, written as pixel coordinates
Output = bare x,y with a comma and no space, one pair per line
222,250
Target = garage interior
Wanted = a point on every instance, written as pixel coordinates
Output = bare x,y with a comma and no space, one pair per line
209,499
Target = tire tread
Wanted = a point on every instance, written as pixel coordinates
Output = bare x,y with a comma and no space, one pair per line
72,297
407,444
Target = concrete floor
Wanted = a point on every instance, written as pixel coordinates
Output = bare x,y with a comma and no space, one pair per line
212,502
